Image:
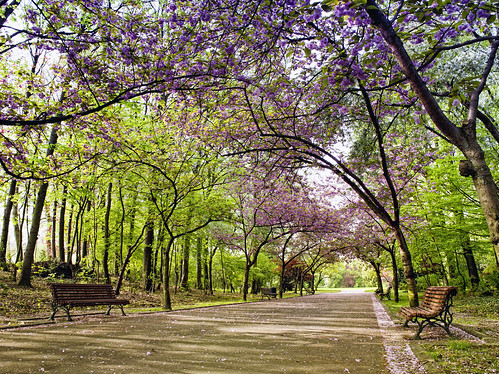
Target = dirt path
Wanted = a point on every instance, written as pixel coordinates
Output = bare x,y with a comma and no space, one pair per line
326,333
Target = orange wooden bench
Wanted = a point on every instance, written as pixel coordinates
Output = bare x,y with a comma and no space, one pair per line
434,309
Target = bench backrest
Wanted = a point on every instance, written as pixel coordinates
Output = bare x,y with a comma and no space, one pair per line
437,297
265,290
63,292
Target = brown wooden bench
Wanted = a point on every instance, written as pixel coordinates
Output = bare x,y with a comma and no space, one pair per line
434,309
68,295
267,292
386,293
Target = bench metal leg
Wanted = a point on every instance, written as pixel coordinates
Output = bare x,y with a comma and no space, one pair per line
55,308
111,307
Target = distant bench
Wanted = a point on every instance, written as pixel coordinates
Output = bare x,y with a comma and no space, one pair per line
68,295
268,292
434,309
386,293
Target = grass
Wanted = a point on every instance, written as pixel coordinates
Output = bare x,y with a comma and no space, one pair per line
458,357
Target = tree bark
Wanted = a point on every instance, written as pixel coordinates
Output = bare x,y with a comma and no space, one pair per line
62,224
29,253
107,239
184,284
53,232
6,223
147,257
167,302
199,263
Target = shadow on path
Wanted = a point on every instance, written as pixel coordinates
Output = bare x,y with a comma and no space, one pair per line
325,333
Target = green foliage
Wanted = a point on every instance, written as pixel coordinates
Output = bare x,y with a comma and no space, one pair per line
351,273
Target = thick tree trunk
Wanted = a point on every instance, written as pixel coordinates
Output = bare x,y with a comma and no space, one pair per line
410,276
486,189
107,239
6,223
29,253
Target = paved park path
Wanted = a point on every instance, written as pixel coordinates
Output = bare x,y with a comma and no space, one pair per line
324,333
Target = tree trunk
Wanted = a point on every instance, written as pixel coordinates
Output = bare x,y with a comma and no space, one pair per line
19,237
246,280
69,252
167,302
184,284
199,263
395,276
107,241
6,223
410,276
210,269
205,263
62,224
147,258
487,192
377,269
53,233
29,253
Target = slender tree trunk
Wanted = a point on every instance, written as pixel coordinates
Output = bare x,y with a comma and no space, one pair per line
6,223
377,269
29,253
62,224
69,252
410,276
107,239
210,269
395,275
147,257
185,262
199,263
206,279
468,252
53,233
246,280
19,237
167,302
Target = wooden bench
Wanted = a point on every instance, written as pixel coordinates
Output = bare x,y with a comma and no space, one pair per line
267,292
434,309
309,291
386,293
68,295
